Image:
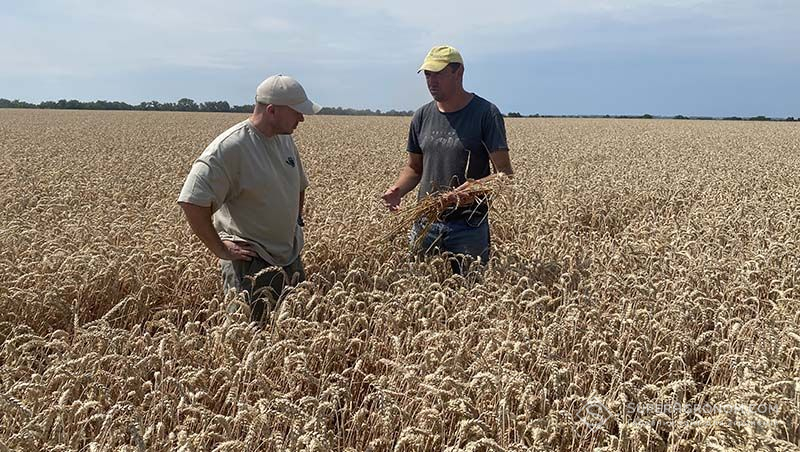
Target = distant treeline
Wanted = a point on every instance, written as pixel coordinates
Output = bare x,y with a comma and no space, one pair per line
184,104
648,116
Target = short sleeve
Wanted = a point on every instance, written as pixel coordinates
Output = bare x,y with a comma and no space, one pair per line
207,185
413,133
493,131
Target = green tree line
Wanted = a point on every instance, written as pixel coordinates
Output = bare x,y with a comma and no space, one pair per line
514,114
184,104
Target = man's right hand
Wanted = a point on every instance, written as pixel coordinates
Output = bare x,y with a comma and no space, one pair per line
391,199
410,176
237,251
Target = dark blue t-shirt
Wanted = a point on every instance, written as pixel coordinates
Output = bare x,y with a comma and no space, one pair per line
455,146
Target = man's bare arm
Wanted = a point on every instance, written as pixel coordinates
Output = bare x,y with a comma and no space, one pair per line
501,162
199,219
409,177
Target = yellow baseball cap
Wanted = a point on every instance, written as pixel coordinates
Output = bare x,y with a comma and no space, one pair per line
439,57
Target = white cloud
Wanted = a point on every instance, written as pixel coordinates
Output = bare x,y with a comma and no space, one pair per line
86,36
487,27
70,37
349,44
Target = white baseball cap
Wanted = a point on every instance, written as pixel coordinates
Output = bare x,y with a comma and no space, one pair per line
284,90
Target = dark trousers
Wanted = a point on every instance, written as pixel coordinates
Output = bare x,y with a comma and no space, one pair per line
262,282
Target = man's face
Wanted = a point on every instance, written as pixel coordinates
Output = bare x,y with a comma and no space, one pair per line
286,119
443,84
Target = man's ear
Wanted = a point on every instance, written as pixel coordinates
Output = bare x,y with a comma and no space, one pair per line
271,109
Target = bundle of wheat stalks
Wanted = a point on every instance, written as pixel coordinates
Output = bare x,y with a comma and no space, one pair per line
431,207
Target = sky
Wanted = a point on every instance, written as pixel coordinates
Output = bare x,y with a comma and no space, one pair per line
561,57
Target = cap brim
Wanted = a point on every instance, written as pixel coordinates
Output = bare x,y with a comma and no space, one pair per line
306,108
433,66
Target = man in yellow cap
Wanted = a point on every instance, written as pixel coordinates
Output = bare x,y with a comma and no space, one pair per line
455,137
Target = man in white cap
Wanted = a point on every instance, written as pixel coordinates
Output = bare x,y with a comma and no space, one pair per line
455,137
244,196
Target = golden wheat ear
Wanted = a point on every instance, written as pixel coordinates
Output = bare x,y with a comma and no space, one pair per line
431,207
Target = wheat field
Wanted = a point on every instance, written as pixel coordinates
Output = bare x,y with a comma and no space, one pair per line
637,266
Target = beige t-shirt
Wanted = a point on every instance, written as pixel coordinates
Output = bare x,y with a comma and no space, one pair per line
252,184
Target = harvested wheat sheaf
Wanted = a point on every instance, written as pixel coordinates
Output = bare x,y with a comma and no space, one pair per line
635,265
431,207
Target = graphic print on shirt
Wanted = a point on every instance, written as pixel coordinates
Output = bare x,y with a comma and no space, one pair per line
444,139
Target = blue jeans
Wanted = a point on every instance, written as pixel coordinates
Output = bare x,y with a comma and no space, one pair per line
468,237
